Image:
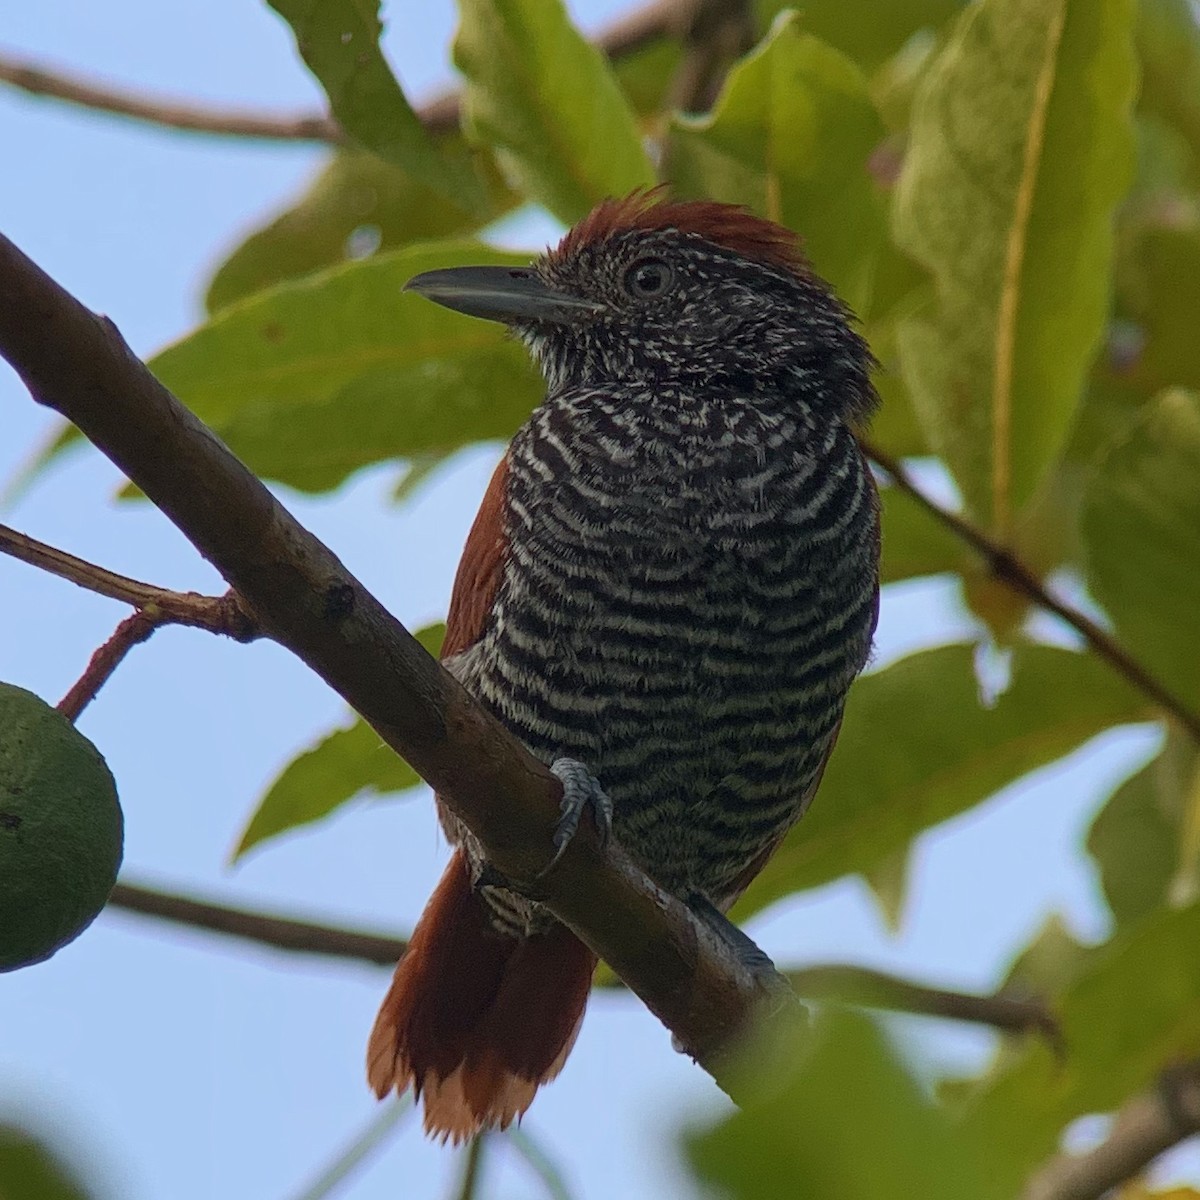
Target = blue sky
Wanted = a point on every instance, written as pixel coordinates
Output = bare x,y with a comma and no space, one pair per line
173,1063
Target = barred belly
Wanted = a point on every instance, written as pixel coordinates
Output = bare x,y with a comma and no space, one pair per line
684,615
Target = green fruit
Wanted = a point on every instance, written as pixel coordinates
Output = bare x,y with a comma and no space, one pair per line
60,830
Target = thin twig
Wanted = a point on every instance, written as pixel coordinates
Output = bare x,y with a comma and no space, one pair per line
848,984
472,1171
1009,569
542,1165
267,929
1143,1129
348,1161
38,81
218,614
105,661
870,988
441,115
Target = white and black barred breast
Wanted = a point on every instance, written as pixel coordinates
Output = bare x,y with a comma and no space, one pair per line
689,591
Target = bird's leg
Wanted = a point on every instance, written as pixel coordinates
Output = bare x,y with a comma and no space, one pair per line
752,956
581,790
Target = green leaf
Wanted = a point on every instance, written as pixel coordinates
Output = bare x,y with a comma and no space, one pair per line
1163,300
339,40
790,137
917,747
1168,35
354,193
645,74
868,31
1021,148
317,377
29,1171
1141,528
1137,837
545,101
914,543
840,1118
1132,1011
1051,961
888,880
347,764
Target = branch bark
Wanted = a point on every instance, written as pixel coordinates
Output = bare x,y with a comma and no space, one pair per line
131,632
833,981
76,363
217,614
622,37
1143,1129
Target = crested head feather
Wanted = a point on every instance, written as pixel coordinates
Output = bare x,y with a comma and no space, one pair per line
731,226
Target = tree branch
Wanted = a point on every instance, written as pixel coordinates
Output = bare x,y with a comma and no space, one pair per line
1009,569
105,661
1143,1129
266,929
719,32
846,984
300,594
217,614
623,37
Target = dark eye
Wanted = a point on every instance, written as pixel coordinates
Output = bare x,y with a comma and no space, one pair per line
648,277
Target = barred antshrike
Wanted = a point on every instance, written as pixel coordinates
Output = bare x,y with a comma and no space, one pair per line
670,585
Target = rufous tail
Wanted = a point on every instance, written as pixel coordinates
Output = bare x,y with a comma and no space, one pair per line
476,1021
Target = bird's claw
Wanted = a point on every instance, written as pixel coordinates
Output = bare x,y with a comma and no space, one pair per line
581,790
748,952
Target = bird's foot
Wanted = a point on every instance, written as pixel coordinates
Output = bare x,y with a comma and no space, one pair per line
748,952
581,790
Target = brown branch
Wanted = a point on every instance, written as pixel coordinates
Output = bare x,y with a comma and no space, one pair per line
1009,569
623,37
105,661
217,614
267,929
719,32
1143,1129
38,81
847,984
76,363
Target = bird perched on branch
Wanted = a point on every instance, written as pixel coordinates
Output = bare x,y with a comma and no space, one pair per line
670,585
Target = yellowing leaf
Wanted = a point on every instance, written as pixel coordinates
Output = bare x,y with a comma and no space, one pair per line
545,101
790,137
317,377
1141,528
1020,151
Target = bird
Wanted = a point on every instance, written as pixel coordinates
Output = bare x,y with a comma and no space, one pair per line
671,582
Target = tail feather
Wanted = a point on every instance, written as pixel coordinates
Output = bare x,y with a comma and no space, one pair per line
475,1021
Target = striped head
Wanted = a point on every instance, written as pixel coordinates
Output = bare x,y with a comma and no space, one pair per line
693,293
